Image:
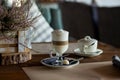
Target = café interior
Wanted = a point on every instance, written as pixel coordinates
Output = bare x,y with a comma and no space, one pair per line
85,43
99,19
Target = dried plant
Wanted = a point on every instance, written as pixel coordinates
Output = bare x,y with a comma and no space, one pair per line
14,19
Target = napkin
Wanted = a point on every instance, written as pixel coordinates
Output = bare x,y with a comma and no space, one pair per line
83,71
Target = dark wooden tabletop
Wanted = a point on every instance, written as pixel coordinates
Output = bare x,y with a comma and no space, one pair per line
15,72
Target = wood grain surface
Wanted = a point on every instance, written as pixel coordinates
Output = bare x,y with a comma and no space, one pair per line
15,72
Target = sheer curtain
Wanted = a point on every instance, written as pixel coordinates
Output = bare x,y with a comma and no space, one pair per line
42,30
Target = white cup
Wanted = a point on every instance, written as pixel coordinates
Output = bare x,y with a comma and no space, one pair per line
87,45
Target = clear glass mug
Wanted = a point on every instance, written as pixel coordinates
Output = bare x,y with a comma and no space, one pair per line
60,43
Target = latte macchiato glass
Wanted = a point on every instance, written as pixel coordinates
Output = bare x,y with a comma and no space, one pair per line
60,41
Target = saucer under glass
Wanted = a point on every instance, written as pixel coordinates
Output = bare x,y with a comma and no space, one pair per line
51,62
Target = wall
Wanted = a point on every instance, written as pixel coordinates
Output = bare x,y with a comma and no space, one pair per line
100,3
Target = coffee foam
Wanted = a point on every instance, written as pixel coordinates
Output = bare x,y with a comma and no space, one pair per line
60,35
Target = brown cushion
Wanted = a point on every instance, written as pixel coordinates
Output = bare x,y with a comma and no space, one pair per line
77,19
109,25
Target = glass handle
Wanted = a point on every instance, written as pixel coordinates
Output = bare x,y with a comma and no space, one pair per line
51,53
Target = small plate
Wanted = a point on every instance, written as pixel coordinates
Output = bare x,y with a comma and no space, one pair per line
51,62
88,54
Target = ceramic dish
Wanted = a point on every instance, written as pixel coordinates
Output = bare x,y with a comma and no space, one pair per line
51,62
88,54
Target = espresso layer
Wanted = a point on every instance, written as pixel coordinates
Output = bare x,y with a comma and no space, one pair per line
60,42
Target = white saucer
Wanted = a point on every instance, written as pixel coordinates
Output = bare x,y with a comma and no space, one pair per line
88,54
51,62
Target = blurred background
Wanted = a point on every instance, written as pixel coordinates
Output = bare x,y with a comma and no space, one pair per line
99,19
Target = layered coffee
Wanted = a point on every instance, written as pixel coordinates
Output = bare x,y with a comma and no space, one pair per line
60,41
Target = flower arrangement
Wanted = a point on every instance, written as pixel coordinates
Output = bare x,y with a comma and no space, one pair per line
14,17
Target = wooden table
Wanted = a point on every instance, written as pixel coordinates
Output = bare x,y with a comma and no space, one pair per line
15,72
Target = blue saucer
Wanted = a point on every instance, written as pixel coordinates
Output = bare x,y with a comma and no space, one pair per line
52,62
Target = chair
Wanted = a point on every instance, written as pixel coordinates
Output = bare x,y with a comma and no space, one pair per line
52,14
109,25
77,19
